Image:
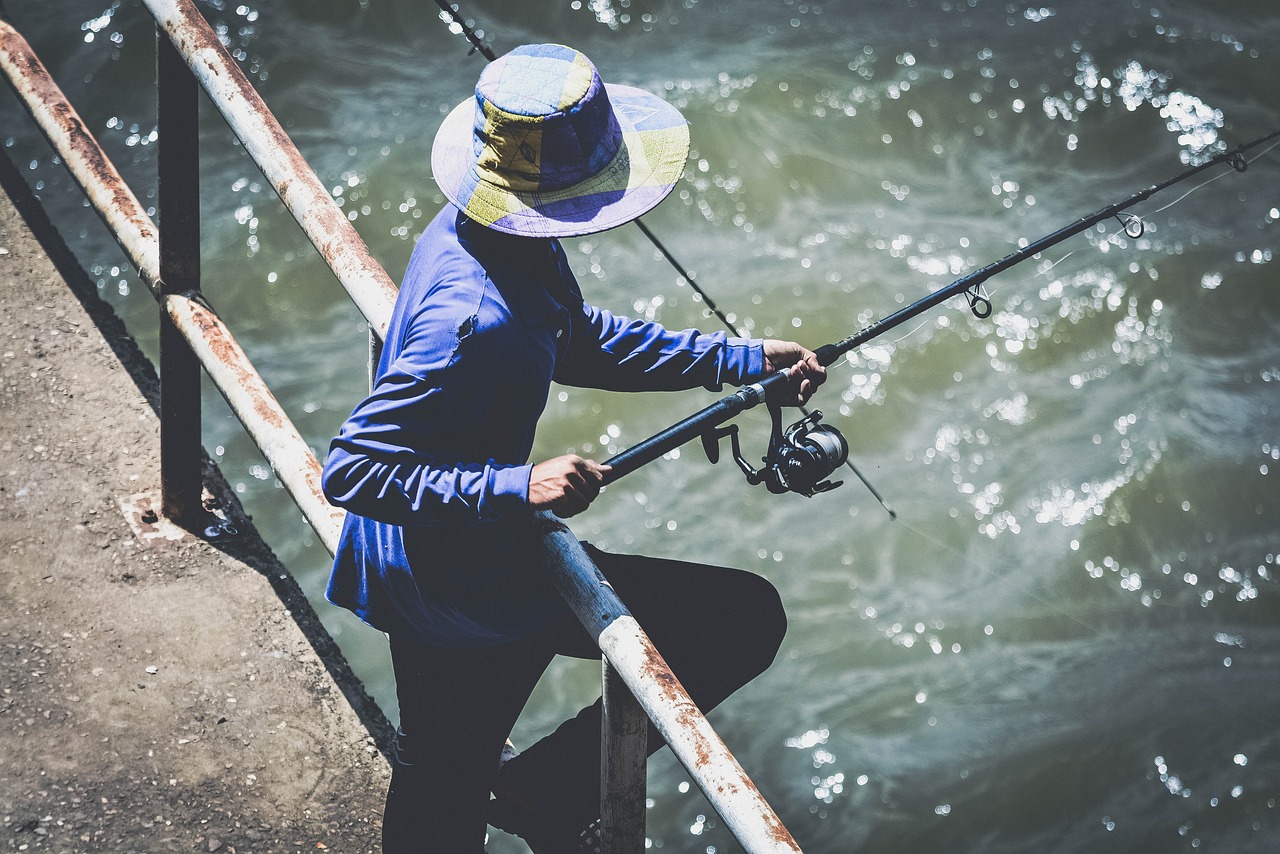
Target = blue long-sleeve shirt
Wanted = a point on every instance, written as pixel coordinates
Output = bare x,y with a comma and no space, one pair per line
433,465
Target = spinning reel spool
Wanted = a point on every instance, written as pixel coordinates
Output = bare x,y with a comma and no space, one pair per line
799,459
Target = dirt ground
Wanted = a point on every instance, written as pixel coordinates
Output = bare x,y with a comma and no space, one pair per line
156,695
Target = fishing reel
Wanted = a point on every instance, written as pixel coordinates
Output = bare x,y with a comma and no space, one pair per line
799,457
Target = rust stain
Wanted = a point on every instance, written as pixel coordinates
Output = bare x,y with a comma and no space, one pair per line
193,25
41,94
656,669
773,825
141,512
688,718
314,485
690,721
190,34
228,353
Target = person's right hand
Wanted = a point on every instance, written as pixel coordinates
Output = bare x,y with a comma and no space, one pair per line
565,485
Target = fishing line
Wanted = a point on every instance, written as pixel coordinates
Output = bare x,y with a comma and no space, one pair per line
1262,153
1130,225
1044,272
800,457
989,293
1112,238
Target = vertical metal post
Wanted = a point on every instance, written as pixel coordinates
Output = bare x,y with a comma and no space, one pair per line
624,735
179,210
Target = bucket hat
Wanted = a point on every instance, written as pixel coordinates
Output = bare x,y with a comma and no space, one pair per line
546,149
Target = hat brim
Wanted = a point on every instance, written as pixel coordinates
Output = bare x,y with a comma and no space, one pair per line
650,161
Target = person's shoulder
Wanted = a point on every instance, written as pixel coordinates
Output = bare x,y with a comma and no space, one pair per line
439,261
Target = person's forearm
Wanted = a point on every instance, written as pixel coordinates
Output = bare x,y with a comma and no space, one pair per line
410,491
621,354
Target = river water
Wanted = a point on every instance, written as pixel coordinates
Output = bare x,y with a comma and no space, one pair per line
1068,639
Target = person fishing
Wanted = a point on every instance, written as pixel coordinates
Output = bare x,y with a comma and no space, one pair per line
434,464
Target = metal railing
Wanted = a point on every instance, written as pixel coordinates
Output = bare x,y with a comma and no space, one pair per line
637,682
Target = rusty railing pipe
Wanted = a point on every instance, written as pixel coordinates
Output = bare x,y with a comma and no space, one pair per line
226,364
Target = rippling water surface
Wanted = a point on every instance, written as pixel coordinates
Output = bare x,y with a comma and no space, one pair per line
1068,639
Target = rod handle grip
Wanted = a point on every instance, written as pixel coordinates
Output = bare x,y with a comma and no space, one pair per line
673,437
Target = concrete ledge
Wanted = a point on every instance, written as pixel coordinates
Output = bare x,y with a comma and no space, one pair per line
155,694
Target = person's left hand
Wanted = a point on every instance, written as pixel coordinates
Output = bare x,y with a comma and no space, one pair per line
806,374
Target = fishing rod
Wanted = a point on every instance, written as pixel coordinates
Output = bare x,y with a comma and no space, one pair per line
452,14
801,457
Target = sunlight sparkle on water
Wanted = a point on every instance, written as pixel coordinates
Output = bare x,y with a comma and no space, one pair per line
809,739
1074,506
826,788
938,265
1196,123
93,26
1013,410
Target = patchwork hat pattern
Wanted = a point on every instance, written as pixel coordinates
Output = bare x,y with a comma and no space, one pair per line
545,149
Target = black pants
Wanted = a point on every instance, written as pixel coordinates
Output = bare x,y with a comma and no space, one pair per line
717,628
